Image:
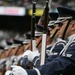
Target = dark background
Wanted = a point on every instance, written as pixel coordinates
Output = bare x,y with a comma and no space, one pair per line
16,23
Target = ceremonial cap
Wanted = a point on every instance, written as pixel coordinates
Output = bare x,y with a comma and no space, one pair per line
53,15
66,12
28,35
28,38
9,42
16,41
39,27
59,23
1,47
39,30
37,33
51,23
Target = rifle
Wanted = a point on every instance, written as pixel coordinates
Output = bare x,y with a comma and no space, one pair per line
33,41
44,36
33,27
41,20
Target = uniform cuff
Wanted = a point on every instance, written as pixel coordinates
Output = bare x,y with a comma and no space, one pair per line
36,61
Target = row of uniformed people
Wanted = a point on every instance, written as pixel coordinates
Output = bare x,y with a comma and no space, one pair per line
23,61
53,29
10,51
64,63
52,51
7,56
37,27
9,62
3,57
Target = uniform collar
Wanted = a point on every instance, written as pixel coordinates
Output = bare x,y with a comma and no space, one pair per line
72,36
58,39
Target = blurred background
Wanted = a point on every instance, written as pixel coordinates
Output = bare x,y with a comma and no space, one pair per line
15,16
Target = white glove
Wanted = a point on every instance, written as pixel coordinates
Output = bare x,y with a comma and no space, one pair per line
8,72
31,54
17,70
26,53
8,63
13,57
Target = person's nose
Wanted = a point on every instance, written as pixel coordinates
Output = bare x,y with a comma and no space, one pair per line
58,27
50,29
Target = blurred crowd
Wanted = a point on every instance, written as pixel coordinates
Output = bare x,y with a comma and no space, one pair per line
17,2
25,3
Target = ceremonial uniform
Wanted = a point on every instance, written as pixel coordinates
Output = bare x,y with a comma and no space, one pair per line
64,64
61,64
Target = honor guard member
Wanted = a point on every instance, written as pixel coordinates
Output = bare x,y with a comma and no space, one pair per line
19,58
24,62
16,59
40,28
26,41
59,43
65,62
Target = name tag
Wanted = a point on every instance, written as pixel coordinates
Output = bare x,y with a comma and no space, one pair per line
67,55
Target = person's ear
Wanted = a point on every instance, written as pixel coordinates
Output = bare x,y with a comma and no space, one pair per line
73,26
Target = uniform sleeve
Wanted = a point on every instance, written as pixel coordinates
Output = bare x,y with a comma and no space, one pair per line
56,50
24,62
60,65
56,66
36,61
